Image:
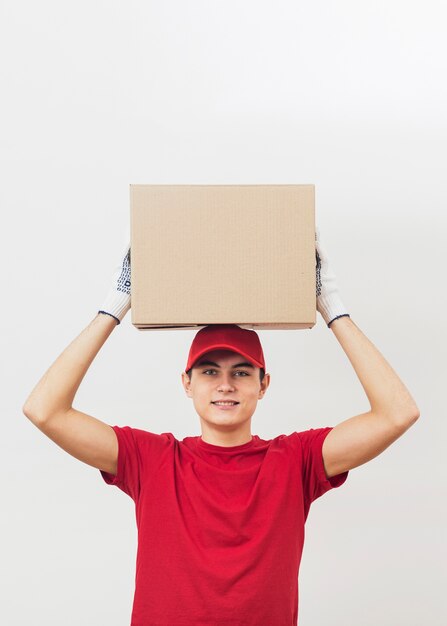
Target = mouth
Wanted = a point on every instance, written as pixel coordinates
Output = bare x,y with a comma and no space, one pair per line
225,405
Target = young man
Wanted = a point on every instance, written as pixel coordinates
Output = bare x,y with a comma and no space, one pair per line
221,517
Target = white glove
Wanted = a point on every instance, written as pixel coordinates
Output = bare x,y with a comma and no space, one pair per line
117,302
329,304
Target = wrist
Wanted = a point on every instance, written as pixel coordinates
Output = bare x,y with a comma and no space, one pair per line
331,307
345,317
109,317
116,305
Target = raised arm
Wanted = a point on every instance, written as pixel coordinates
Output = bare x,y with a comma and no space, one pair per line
393,410
50,404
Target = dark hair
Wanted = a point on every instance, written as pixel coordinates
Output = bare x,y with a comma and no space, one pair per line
261,373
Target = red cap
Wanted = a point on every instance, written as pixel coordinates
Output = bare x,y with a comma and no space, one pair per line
228,337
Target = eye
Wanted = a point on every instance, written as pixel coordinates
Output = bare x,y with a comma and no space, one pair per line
236,372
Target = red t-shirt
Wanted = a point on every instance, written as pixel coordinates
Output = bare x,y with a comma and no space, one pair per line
220,529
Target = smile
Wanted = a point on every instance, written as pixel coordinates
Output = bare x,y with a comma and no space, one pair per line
225,405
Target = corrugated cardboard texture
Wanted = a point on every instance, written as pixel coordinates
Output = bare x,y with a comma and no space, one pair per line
214,254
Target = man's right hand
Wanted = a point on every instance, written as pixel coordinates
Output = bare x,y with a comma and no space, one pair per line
117,301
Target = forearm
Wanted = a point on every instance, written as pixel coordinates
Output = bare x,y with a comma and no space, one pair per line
386,393
57,388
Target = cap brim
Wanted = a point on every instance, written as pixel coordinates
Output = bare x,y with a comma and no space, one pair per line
223,346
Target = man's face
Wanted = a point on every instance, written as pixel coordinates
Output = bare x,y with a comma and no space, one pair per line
225,375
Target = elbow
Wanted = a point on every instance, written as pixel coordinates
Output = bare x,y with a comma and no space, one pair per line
28,412
414,414
40,414
31,413
408,418
401,418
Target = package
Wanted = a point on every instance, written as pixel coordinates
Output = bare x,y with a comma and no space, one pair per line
215,254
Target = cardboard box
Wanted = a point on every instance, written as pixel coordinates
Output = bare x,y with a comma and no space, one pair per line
214,254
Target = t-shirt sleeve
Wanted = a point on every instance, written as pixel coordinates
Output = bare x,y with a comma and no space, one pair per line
139,454
315,481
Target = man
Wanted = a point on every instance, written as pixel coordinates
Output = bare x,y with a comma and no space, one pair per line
221,517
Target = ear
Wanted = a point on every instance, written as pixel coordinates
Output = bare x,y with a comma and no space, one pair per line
186,382
264,385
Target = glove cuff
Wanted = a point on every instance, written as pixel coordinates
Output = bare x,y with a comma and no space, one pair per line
331,307
116,304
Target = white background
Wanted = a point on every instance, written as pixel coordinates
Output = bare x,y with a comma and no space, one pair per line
349,96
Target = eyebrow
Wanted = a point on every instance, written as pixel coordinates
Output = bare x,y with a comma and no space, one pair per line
201,363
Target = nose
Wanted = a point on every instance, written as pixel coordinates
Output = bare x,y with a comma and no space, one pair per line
225,382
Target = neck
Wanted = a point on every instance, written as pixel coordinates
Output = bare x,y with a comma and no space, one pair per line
219,437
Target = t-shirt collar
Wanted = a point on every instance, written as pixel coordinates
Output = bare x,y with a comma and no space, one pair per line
211,447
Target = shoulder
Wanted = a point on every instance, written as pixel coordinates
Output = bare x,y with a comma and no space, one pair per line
141,437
